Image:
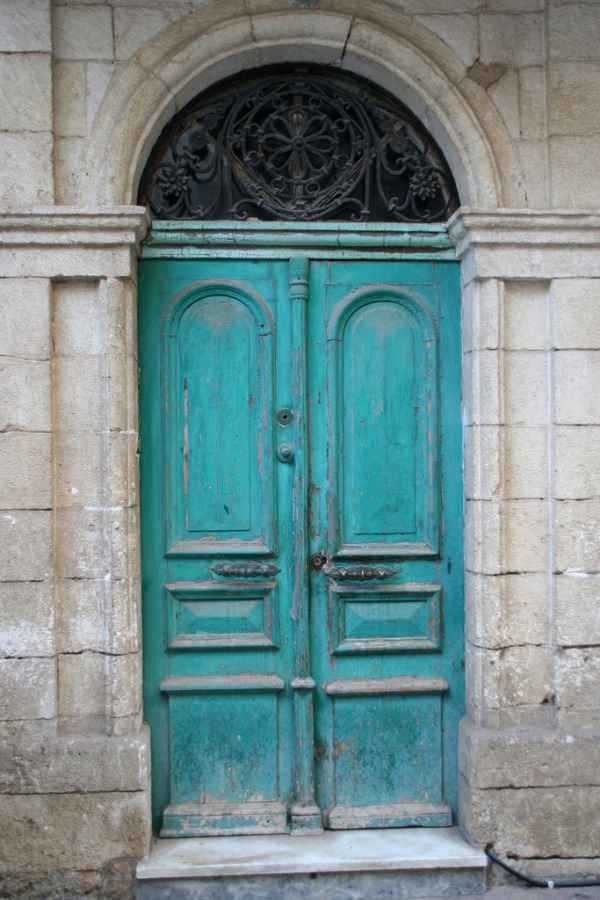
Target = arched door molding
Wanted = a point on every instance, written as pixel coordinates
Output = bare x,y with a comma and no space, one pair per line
220,40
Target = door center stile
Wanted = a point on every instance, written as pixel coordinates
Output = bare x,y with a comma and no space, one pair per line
305,815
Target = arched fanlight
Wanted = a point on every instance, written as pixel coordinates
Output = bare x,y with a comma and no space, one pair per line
297,145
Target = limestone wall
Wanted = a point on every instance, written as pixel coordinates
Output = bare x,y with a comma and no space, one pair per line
510,89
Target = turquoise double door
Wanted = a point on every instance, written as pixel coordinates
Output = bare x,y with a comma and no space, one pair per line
302,542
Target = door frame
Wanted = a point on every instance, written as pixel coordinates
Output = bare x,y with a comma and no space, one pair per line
316,241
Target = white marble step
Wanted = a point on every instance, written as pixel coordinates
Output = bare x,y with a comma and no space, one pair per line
404,862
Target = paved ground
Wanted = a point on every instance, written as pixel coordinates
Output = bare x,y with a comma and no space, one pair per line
506,892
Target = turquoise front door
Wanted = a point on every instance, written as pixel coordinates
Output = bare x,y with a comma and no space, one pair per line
302,542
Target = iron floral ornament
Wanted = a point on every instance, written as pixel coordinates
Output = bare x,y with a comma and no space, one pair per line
297,146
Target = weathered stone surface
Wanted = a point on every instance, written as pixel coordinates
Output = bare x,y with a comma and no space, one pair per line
574,102
506,610
25,26
578,535
27,689
577,462
573,30
94,829
483,452
27,97
134,25
540,821
70,98
115,881
531,103
25,545
577,374
482,536
99,615
25,395
26,175
516,676
81,33
526,387
526,316
526,467
481,315
575,182
82,763
25,318
25,486
512,40
576,313
578,609
481,387
528,757
459,32
79,321
95,689
526,528
578,677
27,617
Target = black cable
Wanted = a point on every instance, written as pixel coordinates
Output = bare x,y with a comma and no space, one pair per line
539,882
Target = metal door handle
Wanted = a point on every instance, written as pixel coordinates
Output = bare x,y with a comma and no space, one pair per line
360,573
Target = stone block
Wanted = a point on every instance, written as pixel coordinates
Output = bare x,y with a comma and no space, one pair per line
526,315
122,317
27,689
98,76
25,545
576,313
83,33
575,182
577,609
135,25
70,161
77,763
481,387
534,165
481,315
526,531
526,466
483,451
70,98
458,32
25,396
27,95
27,617
532,107
578,677
574,97
526,392
507,610
80,393
123,396
80,469
536,822
577,375
516,676
95,689
83,543
25,463
94,829
578,535
577,462
79,318
574,31
504,94
25,318
98,615
25,27
482,536
26,176
528,757
514,41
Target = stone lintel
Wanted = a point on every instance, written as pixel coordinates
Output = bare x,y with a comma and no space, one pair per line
70,242
526,244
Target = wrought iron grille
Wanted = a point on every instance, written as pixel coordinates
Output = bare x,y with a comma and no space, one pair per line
297,145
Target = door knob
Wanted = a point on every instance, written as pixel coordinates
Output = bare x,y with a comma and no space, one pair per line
317,561
285,453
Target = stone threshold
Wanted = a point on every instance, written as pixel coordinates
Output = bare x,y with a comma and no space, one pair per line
361,851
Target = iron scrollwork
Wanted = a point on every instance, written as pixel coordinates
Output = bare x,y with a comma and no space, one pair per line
298,146
245,569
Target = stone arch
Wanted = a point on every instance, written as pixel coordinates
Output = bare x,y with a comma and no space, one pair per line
221,39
